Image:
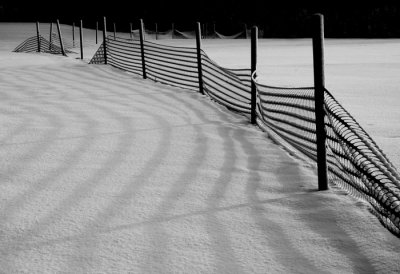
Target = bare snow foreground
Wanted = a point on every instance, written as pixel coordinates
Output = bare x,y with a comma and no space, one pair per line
103,172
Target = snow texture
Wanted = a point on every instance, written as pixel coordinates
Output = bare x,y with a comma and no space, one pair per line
104,172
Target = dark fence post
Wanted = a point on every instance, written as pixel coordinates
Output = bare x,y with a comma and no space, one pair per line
38,35
254,38
51,36
73,34
319,86
141,33
245,31
156,32
115,30
173,30
97,29
130,30
60,37
199,66
105,40
81,38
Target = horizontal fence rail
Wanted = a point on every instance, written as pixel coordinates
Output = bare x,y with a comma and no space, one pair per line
355,162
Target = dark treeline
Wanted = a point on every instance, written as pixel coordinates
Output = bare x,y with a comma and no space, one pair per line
275,19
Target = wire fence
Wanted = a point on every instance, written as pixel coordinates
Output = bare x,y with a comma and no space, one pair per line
355,162
41,44
172,65
174,33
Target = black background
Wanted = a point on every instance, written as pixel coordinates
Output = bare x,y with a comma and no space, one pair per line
274,18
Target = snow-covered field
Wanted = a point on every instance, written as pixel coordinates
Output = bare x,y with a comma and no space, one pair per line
103,172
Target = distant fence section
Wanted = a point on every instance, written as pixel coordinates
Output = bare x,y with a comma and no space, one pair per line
56,44
31,45
354,161
154,34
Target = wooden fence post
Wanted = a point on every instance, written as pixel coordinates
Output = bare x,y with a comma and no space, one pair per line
199,65
245,31
141,33
105,40
51,36
60,37
38,36
130,30
254,38
115,30
156,32
97,29
73,34
81,38
173,30
319,86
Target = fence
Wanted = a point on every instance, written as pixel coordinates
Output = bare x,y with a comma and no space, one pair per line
309,120
56,44
350,158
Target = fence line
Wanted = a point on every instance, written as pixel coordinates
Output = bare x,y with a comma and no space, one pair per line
354,161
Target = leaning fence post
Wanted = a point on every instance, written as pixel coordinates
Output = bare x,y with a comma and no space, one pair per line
97,29
81,38
319,86
51,36
60,37
199,66
141,33
38,35
254,37
105,40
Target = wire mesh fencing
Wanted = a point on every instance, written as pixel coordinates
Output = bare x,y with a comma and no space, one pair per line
358,165
175,66
33,44
355,162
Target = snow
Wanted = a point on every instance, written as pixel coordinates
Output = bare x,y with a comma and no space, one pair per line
104,172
